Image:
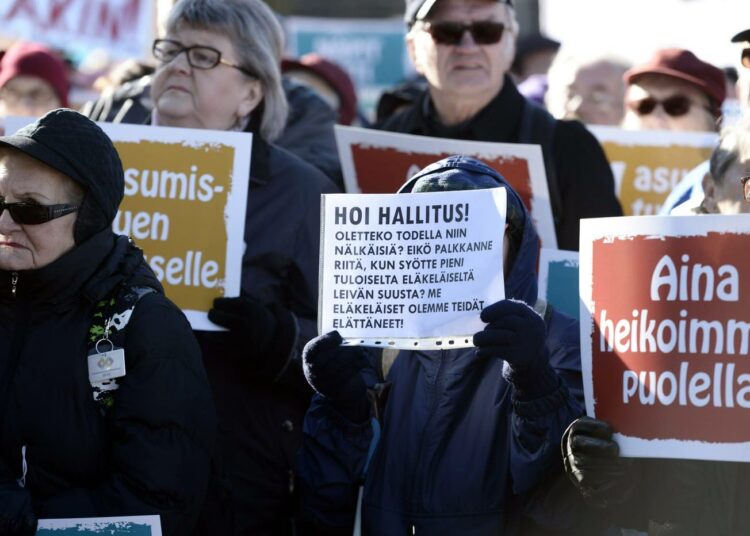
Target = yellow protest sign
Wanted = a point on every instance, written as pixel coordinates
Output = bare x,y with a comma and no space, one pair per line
647,165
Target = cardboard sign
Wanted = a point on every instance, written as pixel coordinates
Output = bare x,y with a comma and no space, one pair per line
648,164
380,162
558,280
665,333
411,271
185,200
372,52
94,526
124,27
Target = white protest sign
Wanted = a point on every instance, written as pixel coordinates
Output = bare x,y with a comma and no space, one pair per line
123,27
184,205
375,162
665,333
113,526
410,270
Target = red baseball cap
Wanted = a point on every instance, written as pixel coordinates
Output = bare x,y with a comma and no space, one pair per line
683,65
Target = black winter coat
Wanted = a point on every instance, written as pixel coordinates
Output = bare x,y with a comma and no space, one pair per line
148,454
583,176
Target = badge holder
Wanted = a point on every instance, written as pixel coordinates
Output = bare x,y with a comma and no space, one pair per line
106,363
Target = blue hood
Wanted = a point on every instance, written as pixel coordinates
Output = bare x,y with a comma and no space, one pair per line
464,173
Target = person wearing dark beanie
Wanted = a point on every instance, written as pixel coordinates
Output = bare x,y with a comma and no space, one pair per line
33,80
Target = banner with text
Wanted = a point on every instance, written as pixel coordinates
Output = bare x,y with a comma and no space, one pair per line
123,27
375,162
558,280
665,329
410,271
185,200
648,164
111,526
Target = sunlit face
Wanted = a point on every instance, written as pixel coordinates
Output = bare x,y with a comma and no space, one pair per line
28,96
596,95
727,196
465,69
697,119
743,84
23,179
217,98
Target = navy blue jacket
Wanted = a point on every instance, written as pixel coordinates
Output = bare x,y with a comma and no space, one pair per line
460,449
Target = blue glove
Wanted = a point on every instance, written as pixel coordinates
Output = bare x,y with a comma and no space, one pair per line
334,372
516,334
17,516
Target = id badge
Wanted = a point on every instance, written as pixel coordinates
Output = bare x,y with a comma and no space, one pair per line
107,365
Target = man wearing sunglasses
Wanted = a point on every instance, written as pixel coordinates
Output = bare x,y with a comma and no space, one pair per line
674,90
464,49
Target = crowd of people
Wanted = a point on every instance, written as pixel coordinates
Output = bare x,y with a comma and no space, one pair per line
267,427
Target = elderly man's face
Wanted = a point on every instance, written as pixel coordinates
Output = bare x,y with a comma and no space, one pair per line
465,69
28,96
596,95
694,117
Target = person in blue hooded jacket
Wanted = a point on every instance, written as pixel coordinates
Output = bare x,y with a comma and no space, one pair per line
467,434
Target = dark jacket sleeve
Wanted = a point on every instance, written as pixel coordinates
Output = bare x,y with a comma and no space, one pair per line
587,186
162,428
538,423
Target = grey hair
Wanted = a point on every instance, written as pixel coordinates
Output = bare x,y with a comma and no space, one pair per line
734,146
258,40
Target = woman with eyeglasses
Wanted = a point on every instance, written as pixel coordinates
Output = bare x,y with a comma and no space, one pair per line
218,69
674,90
90,348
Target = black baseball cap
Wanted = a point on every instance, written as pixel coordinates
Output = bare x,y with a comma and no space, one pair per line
419,9
742,36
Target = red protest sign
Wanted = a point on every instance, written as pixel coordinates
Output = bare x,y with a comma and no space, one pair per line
380,162
666,333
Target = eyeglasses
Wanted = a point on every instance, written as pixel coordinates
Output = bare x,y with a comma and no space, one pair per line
745,58
674,106
745,183
35,97
198,56
483,32
33,214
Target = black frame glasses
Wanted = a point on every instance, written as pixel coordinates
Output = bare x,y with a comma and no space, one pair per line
447,32
33,214
198,56
673,106
745,184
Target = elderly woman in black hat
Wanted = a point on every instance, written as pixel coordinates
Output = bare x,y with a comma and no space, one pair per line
105,408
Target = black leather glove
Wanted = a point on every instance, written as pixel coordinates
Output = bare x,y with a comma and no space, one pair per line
334,372
516,334
17,516
592,461
265,333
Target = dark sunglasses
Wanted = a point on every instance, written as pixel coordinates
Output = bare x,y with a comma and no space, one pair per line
674,106
745,183
32,214
483,32
198,56
746,57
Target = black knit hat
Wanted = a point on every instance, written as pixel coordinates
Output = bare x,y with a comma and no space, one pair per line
75,146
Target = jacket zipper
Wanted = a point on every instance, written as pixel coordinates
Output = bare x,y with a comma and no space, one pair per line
418,478
13,284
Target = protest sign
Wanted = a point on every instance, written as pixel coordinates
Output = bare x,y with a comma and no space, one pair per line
92,526
410,271
648,164
372,52
558,280
124,27
380,162
665,333
184,205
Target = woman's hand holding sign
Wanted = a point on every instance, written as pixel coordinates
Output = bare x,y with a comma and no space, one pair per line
334,372
516,334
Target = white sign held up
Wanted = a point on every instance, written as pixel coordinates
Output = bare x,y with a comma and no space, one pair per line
410,270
